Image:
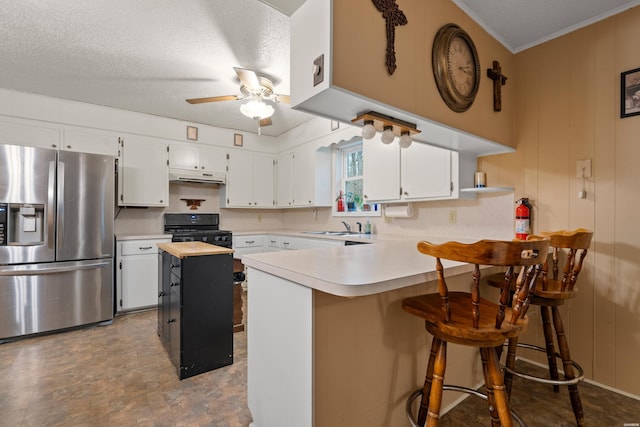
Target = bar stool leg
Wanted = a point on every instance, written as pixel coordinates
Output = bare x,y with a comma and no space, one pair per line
511,364
435,397
551,351
568,366
496,393
426,389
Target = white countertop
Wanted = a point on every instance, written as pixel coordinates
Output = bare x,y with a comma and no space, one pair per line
352,271
142,236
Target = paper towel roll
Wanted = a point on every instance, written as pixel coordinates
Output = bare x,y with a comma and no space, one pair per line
398,211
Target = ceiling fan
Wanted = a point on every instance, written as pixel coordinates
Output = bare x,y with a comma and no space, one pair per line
258,89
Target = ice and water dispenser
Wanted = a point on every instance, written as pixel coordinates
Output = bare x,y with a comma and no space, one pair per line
22,224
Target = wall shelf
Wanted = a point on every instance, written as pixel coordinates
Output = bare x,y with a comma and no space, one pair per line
487,190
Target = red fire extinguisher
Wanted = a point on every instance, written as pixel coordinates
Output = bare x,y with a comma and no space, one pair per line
523,216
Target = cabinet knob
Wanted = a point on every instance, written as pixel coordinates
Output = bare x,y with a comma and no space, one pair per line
171,320
161,294
174,284
406,193
365,196
196,167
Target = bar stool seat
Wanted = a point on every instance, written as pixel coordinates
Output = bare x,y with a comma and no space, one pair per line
467,319
549,294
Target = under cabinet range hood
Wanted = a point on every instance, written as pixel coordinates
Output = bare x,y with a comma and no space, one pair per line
200,177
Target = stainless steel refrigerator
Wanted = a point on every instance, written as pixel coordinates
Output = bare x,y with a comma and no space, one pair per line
56,239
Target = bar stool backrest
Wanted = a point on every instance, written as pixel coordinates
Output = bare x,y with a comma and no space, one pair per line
576,243
529,254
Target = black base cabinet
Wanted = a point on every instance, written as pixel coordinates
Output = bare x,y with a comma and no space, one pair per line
195,311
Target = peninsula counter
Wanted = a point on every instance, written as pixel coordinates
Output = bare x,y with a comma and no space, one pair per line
328,342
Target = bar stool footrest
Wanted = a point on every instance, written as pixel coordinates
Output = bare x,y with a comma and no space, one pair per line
418,392
571,381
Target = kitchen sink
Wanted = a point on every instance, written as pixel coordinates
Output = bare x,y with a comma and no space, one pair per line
328,233
334,233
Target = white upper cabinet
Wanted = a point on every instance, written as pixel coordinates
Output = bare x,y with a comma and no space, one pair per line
381,171
201,158
32,136
425,172
143,173
284,180
304,177
420,172
250,180
90,142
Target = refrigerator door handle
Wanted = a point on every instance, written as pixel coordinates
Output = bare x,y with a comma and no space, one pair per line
51,200
60,204
40,269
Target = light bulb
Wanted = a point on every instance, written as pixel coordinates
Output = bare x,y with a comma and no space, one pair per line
368,131
405,139
256,109
387,135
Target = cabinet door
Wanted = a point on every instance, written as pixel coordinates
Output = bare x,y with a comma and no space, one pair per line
139,280
31,136
303,171
143,173
213,159
381,171
426,172
285,180
86,142
183,156
239,190
263,187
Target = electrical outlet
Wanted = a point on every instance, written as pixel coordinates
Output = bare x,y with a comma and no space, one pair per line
583,168
453,216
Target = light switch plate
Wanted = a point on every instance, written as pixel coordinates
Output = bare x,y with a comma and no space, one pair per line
583,168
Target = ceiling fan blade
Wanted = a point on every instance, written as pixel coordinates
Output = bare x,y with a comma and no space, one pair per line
285,99
213,99
248,78
265,122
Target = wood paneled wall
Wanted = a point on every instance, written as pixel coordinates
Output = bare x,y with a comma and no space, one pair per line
567,107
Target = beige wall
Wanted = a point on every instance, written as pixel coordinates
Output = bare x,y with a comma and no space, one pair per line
359,44
567,108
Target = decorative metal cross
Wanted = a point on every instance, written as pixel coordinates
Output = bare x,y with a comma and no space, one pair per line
394,17
499,80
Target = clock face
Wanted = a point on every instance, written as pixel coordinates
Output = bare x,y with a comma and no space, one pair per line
456,67
461,66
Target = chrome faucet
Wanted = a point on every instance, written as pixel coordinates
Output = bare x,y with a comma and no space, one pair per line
359,227
347,226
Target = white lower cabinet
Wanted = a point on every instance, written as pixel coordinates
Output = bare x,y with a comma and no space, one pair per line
137,272
248,244
251,244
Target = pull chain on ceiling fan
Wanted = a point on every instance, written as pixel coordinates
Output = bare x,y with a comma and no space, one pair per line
259,89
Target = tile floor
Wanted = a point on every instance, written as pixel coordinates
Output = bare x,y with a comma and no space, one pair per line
120,375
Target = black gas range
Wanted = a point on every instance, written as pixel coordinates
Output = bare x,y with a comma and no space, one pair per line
187,227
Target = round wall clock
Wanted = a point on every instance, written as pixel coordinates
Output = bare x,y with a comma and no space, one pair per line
456,67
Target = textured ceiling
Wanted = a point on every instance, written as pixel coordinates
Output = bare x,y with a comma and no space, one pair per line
147,55
151,55
520,24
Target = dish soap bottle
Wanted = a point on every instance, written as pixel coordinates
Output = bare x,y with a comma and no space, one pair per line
367,227
340,200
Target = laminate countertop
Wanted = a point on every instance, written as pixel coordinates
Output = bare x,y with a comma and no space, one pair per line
352,271
188,249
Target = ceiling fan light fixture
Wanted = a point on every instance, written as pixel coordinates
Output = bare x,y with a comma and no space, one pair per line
256,109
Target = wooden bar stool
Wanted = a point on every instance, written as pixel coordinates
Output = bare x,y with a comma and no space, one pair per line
570,248
467,319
